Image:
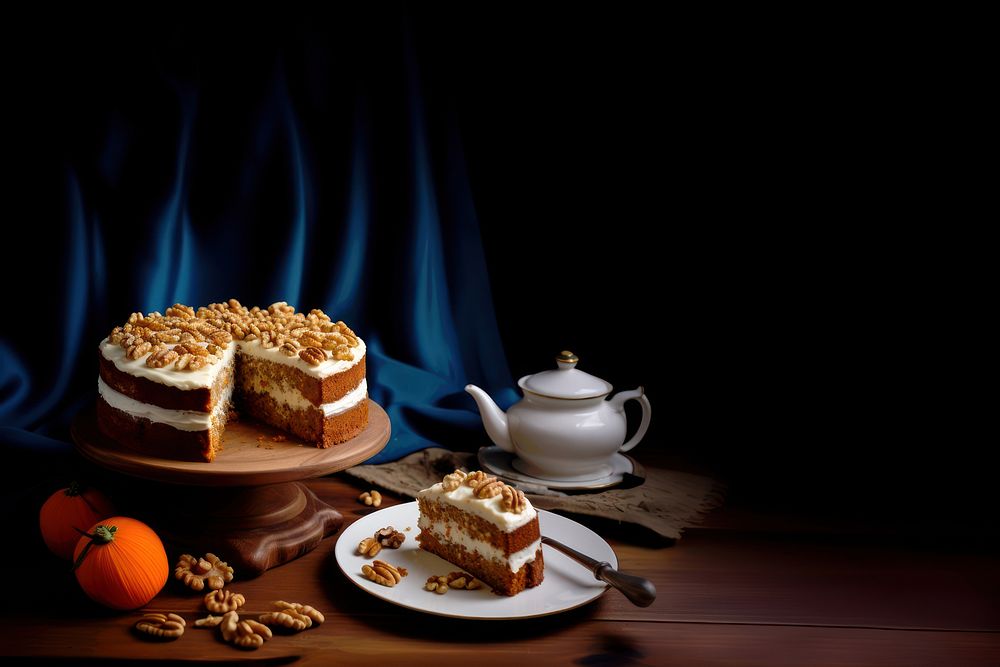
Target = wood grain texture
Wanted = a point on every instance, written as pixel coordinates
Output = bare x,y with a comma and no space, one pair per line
726,597
250,455
246,503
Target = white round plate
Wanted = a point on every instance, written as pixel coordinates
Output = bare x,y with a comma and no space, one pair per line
501,463
566,585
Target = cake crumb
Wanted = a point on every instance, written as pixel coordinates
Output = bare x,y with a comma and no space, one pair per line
279,438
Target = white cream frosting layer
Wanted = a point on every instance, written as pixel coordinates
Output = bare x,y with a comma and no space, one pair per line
491,509
294,399
324,370
185,380
450,532
347,401
182,420
205,377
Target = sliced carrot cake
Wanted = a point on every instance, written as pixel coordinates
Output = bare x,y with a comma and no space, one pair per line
168,382
485,527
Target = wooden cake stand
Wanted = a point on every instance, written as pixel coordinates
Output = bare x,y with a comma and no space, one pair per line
248,505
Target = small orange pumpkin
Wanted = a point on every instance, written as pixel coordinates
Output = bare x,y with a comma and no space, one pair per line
120,563
69,511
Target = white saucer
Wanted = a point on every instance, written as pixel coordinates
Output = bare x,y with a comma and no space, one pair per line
501,463
566,585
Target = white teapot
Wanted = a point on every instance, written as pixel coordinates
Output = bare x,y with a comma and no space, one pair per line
563,429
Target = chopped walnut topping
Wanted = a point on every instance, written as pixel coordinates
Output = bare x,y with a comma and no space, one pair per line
164,357
199,337
513,500
313,355
489,489
477,478
453,480
181,311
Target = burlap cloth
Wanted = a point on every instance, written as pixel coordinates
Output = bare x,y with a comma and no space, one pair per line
664,501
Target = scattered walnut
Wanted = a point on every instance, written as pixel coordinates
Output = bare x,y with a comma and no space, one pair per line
373,498
279,438
208,622
457,580
195,572
314,356
222,601
436,586
165,626
389,537
383,573
369,547
289,349
251,634
287,618
246,634
309,612
453,480
293,616
513,500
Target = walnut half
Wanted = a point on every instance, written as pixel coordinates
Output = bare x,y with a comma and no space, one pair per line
293,616
389,537
162,626
383,573
220,601
195,573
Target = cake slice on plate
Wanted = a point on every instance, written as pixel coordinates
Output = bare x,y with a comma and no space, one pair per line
485,527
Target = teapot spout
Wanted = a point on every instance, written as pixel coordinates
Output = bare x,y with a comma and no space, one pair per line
494,418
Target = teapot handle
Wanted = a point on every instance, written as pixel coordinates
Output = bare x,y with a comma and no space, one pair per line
644,425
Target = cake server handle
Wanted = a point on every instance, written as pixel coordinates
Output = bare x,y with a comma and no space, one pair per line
640,592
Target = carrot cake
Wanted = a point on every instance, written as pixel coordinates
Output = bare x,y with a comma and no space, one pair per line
168,383
485,527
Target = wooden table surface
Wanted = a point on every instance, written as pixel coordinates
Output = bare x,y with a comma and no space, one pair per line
740,590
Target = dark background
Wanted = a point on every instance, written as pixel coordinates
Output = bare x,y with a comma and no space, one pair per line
737,219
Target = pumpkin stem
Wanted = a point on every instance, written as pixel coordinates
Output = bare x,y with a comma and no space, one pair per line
101,535
78,489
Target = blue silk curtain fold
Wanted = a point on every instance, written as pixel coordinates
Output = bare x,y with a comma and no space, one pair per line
386,240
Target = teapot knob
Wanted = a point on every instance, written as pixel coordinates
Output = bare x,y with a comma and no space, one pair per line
566,360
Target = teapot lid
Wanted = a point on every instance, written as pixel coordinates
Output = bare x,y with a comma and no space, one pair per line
566,381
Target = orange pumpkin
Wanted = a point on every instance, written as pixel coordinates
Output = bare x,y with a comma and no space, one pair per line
120,563
67,513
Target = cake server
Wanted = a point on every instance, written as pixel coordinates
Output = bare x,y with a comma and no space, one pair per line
640,592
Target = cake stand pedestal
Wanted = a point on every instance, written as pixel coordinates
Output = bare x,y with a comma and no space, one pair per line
248,506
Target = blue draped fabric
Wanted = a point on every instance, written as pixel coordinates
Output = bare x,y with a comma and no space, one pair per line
402,264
